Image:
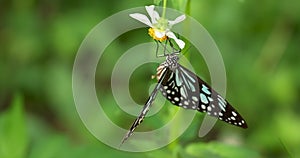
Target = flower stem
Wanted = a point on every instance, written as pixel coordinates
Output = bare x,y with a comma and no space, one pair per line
164,9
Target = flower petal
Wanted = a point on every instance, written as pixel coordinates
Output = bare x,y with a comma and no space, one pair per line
142,18
179,42
152,13
177,20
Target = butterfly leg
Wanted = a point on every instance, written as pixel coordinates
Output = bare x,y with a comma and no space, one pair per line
165,48
173,48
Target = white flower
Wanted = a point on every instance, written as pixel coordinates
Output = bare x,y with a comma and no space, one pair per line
159,27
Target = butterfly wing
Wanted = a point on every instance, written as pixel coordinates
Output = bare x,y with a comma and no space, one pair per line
185,89
145,109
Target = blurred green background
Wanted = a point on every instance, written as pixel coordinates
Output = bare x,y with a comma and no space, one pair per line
259,41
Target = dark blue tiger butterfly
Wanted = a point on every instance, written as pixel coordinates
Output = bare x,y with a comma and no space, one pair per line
185,89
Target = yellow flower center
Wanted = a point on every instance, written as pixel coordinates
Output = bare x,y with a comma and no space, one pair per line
154,34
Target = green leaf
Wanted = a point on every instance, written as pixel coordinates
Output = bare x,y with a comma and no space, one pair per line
157,2
180,4
219,150
188,7
50,146
13,132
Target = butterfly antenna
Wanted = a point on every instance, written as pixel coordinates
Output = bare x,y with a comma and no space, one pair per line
156,52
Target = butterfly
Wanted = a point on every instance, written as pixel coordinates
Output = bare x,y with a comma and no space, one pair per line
185,89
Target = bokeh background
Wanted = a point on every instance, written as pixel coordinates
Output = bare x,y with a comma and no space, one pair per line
259,41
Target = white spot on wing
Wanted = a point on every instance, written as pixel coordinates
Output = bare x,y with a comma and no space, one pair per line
233,113
203,106
176,89
208,108
220,114
186,102
195,98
